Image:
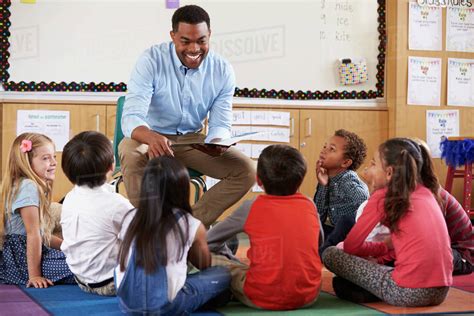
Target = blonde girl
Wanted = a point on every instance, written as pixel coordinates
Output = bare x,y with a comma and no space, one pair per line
31,254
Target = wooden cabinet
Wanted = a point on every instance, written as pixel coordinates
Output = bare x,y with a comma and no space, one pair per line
82,118
316,126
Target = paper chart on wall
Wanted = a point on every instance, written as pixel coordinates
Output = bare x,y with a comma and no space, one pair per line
271,134
439,125
460,82
460,29
54,124
261,118
425,27
241,118
424,81
267,134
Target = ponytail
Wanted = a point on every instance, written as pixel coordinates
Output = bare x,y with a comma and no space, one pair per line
427,173
402,184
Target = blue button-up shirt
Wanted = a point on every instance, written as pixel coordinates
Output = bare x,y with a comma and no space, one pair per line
169,98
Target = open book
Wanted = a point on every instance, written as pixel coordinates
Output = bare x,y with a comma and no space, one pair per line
223,142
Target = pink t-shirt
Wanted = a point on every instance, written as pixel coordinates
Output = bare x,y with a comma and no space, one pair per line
422,246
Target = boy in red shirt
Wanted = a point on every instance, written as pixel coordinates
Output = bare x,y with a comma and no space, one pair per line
283,227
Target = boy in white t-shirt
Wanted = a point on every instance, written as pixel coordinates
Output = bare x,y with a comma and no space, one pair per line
93,215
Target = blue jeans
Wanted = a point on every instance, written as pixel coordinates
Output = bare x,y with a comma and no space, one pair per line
198,289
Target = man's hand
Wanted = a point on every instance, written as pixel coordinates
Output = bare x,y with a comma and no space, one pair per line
321,173
211,150
159,145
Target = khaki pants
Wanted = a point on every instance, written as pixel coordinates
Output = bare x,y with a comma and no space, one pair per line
236,171
55,225
238,271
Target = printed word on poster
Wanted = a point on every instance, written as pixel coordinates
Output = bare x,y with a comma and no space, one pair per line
425,28
460,82
54,124
460,29
424,81
439,125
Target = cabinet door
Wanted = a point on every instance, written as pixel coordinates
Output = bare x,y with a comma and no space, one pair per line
316,126
293,141
82,118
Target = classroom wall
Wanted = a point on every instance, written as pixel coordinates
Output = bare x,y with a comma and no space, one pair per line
409,120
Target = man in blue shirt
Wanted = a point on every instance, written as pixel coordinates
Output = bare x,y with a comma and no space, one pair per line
173,88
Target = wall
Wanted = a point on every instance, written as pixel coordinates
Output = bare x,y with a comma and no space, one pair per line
409,120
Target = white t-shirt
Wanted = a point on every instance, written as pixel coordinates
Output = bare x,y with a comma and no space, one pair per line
379,232
176,271
91,221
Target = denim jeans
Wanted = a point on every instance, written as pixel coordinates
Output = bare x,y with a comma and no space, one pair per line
198,289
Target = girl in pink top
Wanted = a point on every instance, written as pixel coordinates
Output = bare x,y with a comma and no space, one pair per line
406,201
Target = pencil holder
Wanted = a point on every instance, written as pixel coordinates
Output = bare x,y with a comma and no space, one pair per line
352,71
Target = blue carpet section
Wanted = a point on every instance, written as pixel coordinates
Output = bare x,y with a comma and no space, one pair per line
70,300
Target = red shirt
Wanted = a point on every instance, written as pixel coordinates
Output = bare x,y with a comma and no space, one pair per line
422,246
285,268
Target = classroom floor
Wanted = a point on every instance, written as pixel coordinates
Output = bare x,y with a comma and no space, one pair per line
70,300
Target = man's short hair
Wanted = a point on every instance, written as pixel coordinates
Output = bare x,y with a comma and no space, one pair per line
190,14
355,148
87,158
281,169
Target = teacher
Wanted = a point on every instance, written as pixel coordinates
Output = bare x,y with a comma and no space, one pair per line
173,88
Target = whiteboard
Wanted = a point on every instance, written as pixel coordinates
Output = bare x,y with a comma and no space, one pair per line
278,44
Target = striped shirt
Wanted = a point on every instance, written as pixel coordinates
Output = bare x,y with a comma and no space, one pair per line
459,226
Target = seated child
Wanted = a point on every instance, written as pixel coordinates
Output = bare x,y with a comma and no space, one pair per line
459,226
340,191
283,228
405,201
151,276
31,254
93,214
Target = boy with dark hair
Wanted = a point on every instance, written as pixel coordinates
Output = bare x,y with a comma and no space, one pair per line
92,214
283,228
340,191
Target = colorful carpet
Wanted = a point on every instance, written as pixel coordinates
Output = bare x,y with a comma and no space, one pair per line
71,301
14,302
326,305
457,302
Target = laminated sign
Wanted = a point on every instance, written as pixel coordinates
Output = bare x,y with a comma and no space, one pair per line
352,71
